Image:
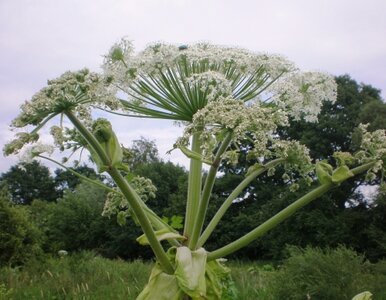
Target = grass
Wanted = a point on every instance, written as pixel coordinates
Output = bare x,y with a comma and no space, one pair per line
86,276
81,276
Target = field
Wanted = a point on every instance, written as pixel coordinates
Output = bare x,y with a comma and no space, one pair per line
86,276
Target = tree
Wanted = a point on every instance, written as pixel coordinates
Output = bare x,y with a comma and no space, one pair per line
141,152
28,181
19,237
65,179
355,104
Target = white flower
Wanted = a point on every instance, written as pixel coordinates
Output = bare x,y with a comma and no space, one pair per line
71,90
33,151
373,148
302,94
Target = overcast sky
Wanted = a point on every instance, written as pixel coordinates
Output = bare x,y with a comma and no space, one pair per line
40,39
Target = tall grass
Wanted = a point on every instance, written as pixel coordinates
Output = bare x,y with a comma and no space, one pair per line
79,276
307,274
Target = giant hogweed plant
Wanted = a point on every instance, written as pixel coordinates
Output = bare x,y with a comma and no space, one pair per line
222,96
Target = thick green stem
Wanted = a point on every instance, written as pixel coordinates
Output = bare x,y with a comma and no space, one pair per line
131,196
270,223
207,191
89,137
134,201
194,187
235,193
280,217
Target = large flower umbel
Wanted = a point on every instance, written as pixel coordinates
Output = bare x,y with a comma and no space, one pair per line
174,82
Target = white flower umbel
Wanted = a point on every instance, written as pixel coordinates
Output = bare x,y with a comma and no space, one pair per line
171,82
33,151
302,94
228,114
373,147
79,90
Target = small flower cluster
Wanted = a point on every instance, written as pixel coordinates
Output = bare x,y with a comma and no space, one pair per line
231,115
213,84
373,148
297,160
116,202
22,139
35,150
71,90
302,94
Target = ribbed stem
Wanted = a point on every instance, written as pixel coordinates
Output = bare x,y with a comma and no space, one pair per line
207,191
134,202
194,187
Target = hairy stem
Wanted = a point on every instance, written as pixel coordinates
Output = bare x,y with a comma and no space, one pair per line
194,188
235,193
207,191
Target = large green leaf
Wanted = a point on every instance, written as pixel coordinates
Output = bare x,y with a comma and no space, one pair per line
161,286
341,174
219,283
162,234
324,172
363,296
190,271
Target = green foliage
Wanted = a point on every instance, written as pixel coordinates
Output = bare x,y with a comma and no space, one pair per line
19,238
142,152
329,274
29,181
74,222
64,179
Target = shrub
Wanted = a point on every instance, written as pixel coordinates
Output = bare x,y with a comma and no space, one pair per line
338,273
19,237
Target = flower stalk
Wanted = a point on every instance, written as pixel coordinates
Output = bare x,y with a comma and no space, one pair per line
127,191
194,188
207,191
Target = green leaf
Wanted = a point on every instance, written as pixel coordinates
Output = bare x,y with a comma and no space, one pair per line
161,286
190,271
106,137
162,234
177,222
341,174
219,283
121,218
324,172
363,296
194,155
